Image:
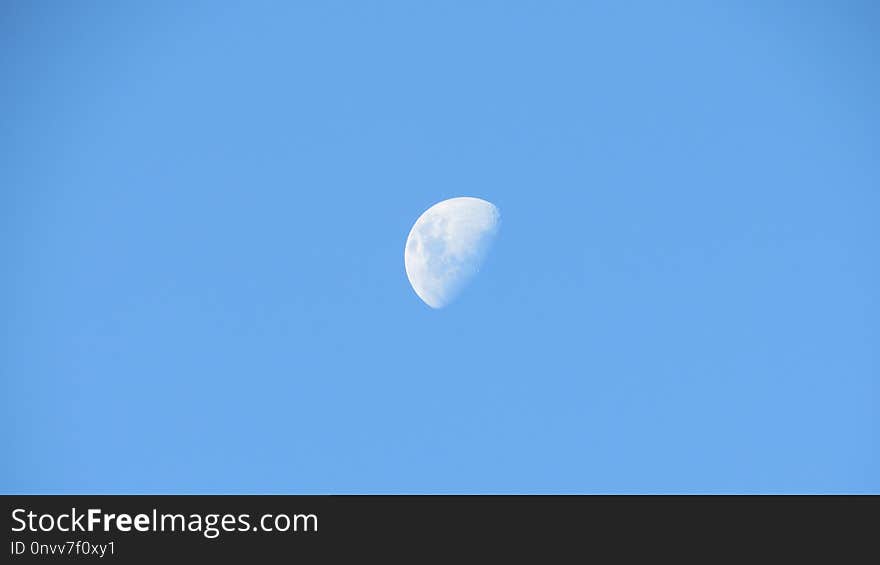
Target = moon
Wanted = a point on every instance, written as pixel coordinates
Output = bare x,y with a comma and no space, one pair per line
447,246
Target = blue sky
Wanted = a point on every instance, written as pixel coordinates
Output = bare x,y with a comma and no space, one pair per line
204,207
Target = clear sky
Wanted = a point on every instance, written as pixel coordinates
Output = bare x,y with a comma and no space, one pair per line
203,210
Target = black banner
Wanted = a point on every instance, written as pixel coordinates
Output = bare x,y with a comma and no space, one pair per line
129,529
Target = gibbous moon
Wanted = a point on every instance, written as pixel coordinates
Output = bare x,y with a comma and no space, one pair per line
447,245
